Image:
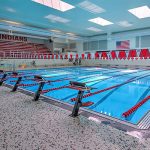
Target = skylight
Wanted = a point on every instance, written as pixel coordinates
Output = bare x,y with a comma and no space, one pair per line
55,18
94,29
124,24
91,7
56,4
140,12
101,21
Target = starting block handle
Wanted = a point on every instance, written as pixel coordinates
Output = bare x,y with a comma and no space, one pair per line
2,79
1,71
74,83
16,84
38,92
78,104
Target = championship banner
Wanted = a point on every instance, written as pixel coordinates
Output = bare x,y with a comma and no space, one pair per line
13,38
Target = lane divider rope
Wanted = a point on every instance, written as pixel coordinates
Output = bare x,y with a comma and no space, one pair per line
134,108
109,88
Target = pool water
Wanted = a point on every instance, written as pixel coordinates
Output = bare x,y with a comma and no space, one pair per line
113,102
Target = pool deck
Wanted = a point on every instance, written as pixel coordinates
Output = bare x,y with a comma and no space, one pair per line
28,125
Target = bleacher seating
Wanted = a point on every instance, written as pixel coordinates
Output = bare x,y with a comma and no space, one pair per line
11,46
24,50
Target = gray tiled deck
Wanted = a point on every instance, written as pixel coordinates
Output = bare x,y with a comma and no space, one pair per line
28,125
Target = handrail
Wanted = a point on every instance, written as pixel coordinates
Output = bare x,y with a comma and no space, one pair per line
134,108
42,54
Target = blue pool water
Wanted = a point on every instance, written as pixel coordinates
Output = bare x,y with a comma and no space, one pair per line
111,102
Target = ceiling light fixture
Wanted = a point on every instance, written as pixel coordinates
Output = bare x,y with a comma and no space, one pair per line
70,33
100,21
91,7
140,12
10,9
56,4
11,22
57,18
56,31
124,24
94,29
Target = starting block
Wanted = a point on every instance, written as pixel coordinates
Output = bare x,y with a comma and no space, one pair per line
16,84
3,78
81,87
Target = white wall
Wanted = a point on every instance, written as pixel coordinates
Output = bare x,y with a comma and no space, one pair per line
14,64
60,40
38,41
93,62
49,45
79,47
65,43
128,35
111,44
10,64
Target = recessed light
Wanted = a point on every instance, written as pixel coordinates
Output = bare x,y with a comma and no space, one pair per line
57,18
11,22
64,6
124,24
101,21
91,7
70,33
10,9
56,4
140,12
94,29
55,31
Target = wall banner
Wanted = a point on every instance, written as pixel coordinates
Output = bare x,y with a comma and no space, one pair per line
13,38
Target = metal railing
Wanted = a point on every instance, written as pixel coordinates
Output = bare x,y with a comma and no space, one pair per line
23,55
32,55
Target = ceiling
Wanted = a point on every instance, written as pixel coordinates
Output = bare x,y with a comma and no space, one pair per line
33,14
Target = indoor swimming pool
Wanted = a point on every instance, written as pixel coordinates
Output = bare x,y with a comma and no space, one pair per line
114,90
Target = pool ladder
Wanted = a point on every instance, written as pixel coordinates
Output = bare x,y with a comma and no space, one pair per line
145,122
